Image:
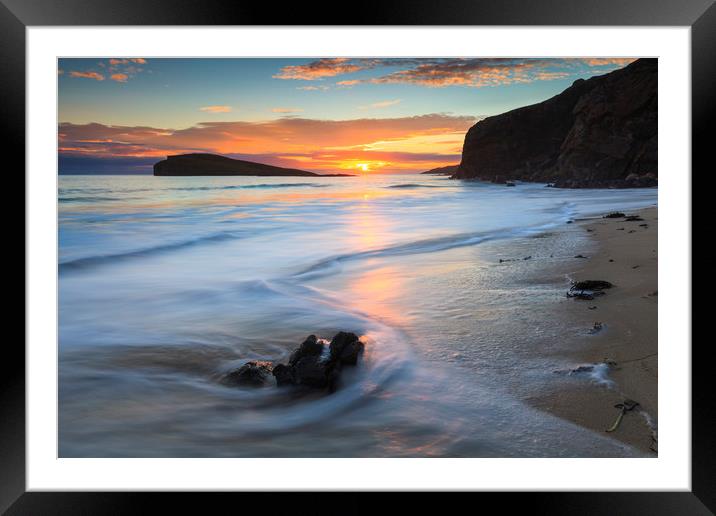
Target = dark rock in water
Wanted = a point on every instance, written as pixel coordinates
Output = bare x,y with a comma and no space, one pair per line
311,371
598,133
580,256
255,373
283,375
527,257
591,285
570,222
311,366
310,347
509,183
345,348
633,218
614,215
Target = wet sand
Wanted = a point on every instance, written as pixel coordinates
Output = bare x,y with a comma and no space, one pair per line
625,254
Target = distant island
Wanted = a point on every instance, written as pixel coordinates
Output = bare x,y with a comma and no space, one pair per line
442,171
215,165
598,133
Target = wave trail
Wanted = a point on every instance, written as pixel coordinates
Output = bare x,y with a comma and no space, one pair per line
430,245
93,261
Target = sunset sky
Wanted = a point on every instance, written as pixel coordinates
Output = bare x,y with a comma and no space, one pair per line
369,115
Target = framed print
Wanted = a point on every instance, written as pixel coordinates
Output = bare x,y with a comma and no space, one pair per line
446,251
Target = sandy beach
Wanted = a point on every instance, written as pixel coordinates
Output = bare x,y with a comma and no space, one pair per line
625,254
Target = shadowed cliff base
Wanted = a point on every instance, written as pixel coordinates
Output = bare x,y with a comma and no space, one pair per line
215,165
598,133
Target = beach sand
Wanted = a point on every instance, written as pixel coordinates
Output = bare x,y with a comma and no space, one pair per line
625,255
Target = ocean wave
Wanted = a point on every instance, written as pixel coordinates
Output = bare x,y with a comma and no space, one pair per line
415,185
430,245
174,189
91,199
246,187
93,261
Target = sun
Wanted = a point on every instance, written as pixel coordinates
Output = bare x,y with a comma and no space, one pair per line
363,167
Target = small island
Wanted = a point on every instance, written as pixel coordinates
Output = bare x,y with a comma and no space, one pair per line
442,171
215,165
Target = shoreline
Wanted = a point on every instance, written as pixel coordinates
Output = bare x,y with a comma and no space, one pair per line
626,346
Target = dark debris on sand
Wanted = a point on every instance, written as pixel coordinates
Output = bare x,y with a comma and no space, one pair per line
588,289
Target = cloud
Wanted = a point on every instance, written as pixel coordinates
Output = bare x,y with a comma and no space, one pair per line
313,88
550,76
316,70
380,105
117,69
216,109
442,72
474,73
286,110
321,145
136,60
605,61
88,75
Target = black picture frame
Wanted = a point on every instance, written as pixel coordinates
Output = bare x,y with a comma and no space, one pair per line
17,15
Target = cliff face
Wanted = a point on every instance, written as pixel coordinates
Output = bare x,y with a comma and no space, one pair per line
214,165
600,132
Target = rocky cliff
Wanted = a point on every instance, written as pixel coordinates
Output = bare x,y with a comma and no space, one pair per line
599,132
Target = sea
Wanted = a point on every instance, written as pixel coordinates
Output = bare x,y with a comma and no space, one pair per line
168,283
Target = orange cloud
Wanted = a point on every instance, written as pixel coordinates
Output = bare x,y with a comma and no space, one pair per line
137,60
88,75
391,144
319,69
475,73
119,77
603,61
286,110
348,83
215,109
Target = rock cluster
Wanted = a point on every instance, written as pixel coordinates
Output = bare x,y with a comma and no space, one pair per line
315,364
